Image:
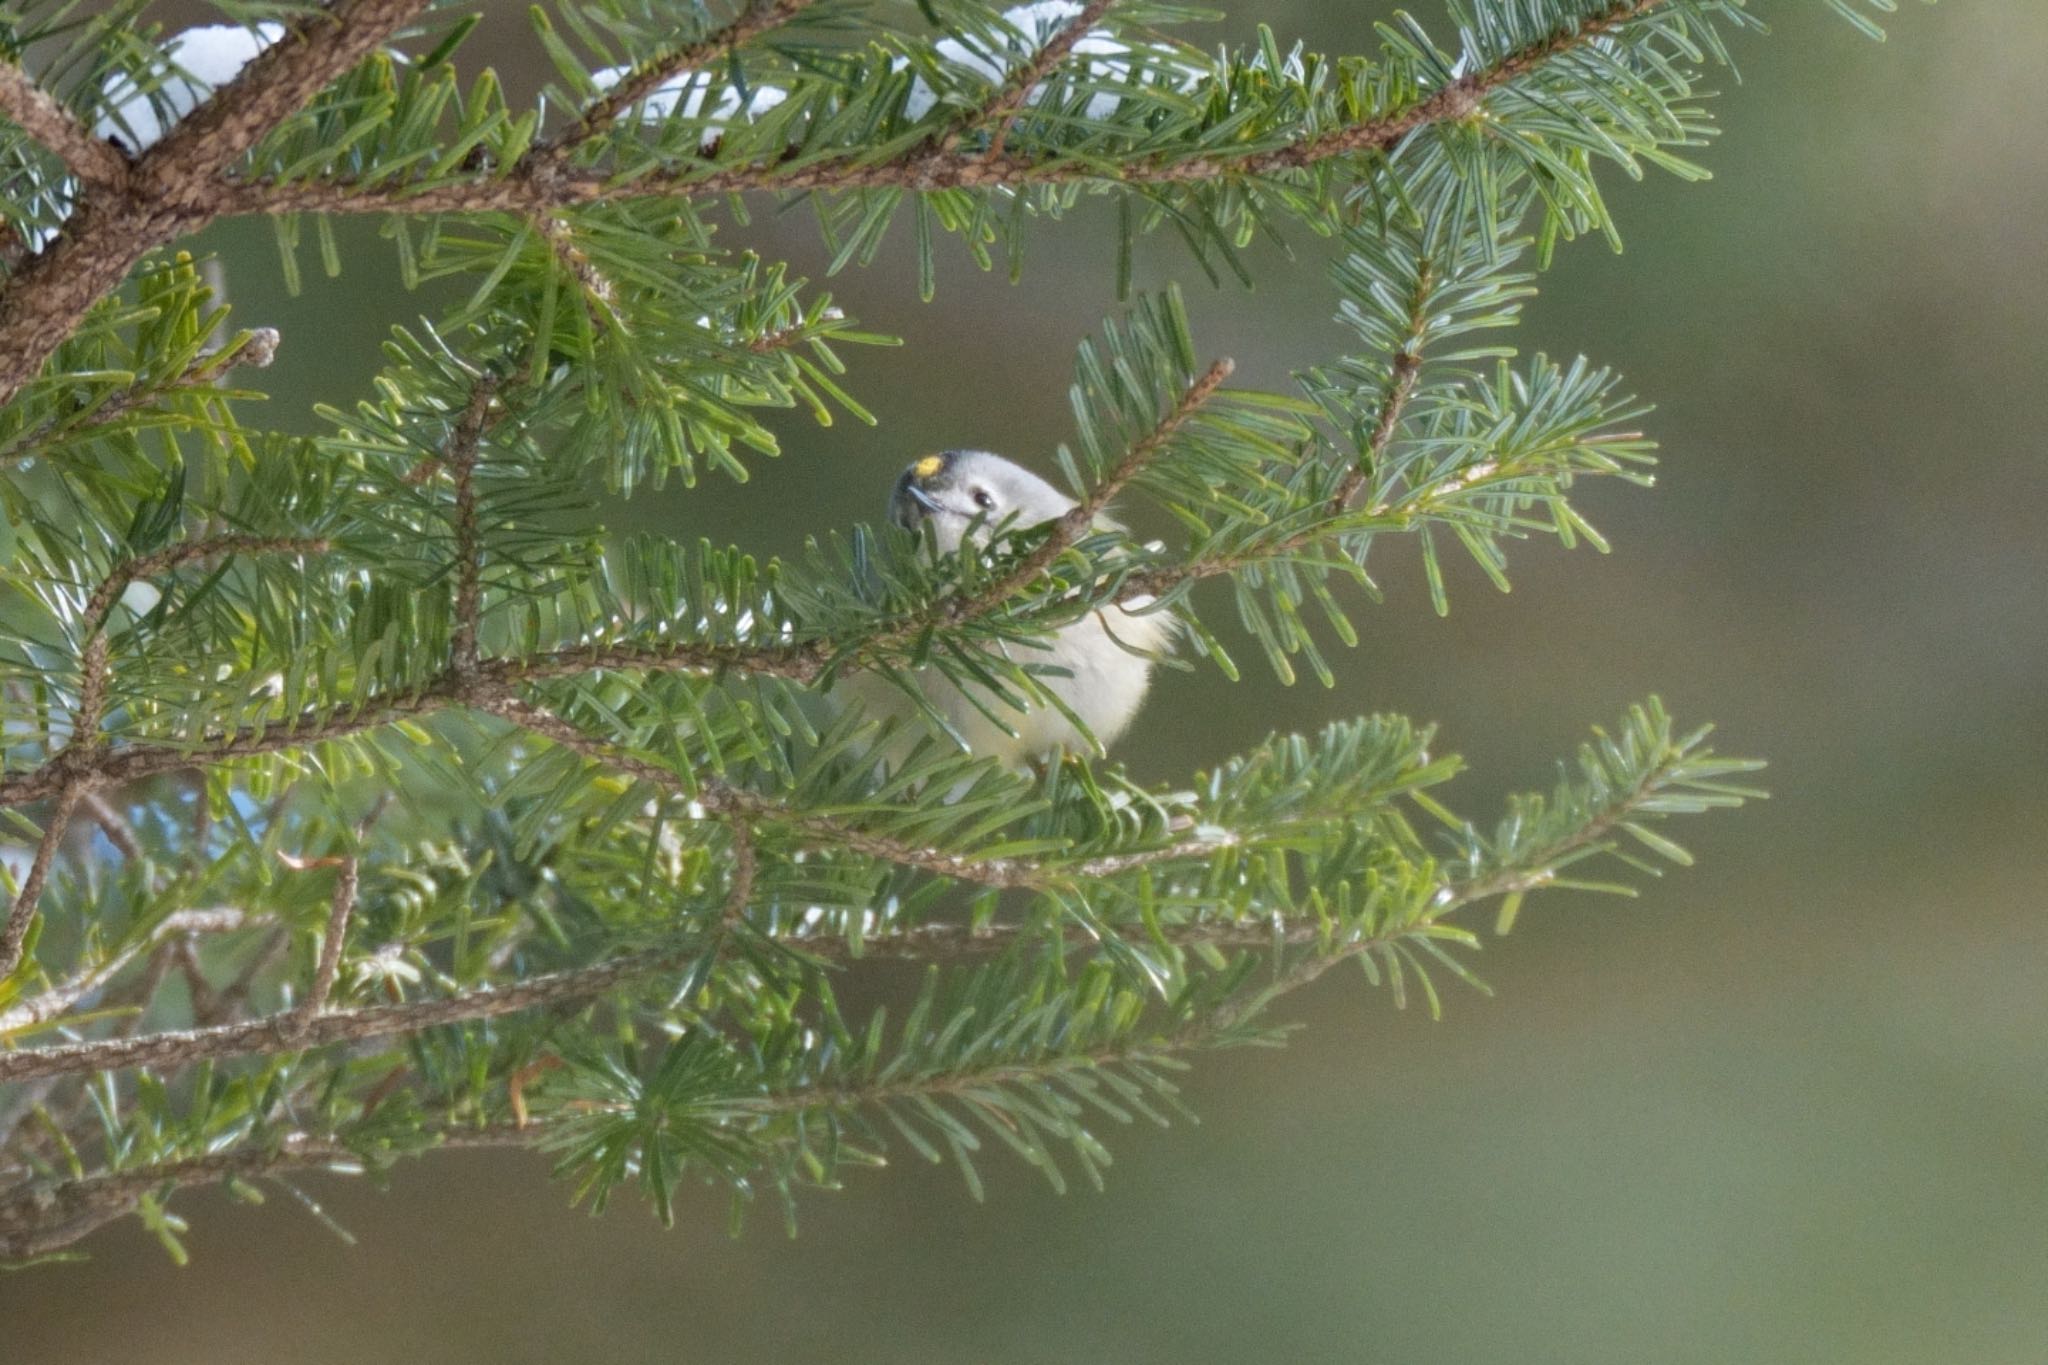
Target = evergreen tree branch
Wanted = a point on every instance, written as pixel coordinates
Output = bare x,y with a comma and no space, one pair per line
460,457
159,562
14,934
67,995
1528,870
1404,369
755,18
255,350
1001,111
177,186
959,168
46,1215
39,114
488,684
341,909
1078,520
723,799
42,1213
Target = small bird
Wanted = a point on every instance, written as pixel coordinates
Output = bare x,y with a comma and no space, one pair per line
1098,666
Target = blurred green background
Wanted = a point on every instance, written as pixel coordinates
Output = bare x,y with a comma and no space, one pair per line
1790,1106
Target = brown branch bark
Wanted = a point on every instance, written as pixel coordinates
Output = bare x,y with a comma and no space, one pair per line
648,77
39,114
177,186
113,824
341,908
524,192
1016,90
460,456
14,934
1405,369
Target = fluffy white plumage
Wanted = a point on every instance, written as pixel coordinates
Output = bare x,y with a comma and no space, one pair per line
1099,666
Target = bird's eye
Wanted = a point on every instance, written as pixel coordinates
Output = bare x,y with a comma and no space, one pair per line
984,499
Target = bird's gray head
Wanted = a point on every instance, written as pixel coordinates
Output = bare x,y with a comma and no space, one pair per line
951,489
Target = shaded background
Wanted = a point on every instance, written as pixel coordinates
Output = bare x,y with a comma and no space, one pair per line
1790,1106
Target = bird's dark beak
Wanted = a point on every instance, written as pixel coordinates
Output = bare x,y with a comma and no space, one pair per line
911,502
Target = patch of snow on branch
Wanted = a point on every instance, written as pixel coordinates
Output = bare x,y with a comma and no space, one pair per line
1036,25
202,59
683,97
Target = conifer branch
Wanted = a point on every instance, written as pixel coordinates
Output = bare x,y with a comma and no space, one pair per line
1078,520
256,351
719,798
284,1033
922,171
341,908
460,457
39,114
46,1215
755,18
66,996
160,562
1403,370
14,934
1012,95
177,186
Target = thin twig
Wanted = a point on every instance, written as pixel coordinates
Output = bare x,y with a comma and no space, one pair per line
460,456
227,1002
14,936
1403,371
257,351
160,562
1015,91
81,988
649,77
113,824
745,864
341,906
562,242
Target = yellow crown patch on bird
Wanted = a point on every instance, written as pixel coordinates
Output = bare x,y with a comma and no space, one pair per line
928,466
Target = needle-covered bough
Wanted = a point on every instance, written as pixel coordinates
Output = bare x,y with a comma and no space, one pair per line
364,799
